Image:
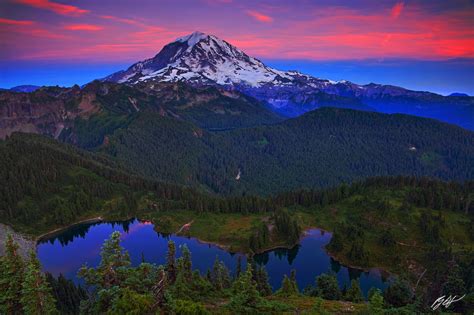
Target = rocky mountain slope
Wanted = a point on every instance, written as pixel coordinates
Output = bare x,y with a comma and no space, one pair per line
53,111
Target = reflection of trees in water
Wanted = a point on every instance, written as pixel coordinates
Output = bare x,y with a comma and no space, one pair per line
385,276
354,274
262,259
292,253
280,253
335,266
166,236
124,224
80,230
67,236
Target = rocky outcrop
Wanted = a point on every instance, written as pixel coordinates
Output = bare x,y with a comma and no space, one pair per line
26,243
46,111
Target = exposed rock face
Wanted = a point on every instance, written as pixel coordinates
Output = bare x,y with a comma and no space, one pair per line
19,112
45,111
26,243
54,111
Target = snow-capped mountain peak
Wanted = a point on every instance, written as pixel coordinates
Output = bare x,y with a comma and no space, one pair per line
201,59
192,39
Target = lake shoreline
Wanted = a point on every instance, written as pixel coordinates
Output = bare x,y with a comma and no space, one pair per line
100,219
52,233
142,237
262,251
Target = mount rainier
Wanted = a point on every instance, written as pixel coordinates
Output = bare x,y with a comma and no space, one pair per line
201,60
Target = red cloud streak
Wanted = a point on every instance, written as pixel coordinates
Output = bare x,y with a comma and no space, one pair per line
397,9
63,9
15,22
260,17
83,27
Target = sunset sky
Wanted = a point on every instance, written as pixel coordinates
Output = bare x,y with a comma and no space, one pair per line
417,44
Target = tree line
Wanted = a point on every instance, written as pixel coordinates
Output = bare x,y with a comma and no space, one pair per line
115,286
44,184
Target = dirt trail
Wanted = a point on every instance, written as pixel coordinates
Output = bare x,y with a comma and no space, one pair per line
185,227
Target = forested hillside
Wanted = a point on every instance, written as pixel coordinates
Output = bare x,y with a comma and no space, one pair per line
227,143
46,184
319,149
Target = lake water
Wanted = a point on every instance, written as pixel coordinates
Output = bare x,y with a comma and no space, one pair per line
67,251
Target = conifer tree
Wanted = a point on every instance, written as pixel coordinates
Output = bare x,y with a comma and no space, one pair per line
454,284
37,298
293,281
245,298
171,262
263,286
376,303
181,288
225,275
398,293
216,277
286,288
239,266
327,287
185,263
354,293
11,278
113,257
68,296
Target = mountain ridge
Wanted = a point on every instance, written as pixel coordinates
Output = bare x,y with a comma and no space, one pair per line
201,59
318,149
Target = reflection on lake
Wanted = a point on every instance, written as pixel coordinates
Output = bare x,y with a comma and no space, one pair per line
67,251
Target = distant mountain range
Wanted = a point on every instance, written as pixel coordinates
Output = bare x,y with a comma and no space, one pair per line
203,137
458,94
202,60
23,88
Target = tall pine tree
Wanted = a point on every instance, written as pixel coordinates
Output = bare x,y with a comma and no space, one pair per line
171,262
37,298
11,278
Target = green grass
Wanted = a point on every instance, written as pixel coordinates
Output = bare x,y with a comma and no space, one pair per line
299,304
230,230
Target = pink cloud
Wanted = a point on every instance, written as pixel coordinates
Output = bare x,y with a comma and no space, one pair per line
12,29
83,27
397,9
63,9
260,17
318,32
15,22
